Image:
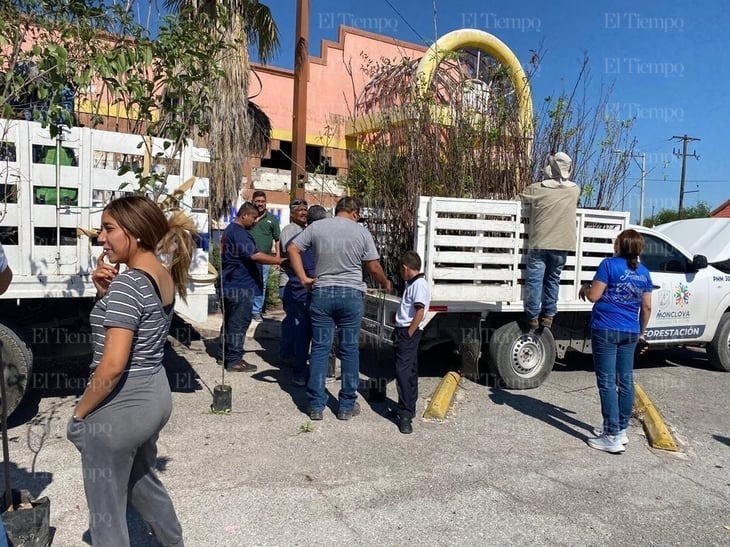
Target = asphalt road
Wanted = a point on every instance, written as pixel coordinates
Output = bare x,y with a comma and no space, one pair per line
506,467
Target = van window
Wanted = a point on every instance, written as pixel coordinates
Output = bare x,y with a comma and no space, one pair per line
660,256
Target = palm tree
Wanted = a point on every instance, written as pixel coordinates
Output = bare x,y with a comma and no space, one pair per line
243,23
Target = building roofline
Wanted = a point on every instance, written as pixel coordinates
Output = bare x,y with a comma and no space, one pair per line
722,206
326,45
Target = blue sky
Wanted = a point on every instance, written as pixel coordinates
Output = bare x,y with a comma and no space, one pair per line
667,61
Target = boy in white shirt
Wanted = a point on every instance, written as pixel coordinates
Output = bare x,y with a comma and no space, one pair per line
408,330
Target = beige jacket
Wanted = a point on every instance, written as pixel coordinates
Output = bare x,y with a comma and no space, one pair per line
553,203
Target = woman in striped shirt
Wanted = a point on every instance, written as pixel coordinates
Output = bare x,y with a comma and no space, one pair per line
127,401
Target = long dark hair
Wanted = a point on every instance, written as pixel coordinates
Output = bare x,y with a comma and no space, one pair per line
171,236
629,245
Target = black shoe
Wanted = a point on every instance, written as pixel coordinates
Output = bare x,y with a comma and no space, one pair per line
242,366
405,426
347,414
315,414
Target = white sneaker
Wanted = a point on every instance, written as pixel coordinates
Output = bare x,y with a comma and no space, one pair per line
621,436
607,443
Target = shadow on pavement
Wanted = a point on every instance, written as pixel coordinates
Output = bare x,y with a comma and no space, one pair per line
655,358
721,439
71,381
180,374
559,418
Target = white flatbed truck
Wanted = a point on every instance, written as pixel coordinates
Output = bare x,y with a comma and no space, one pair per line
473,255
51,197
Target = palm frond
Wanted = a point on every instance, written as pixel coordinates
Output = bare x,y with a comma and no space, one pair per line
260,130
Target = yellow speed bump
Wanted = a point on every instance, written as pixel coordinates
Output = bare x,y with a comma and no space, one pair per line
656,431
440,402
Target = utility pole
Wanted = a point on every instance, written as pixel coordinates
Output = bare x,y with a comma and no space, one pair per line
685,139
299,110
641,193
641,155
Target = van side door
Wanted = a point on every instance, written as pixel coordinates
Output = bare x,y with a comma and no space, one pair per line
679,299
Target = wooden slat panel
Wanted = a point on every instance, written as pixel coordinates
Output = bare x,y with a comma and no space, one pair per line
473,242
470,206
117,142
472,274
478,293
600,233
107,179
45,215
600,248
455,257
475,225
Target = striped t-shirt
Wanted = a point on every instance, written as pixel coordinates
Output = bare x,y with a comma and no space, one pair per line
132,303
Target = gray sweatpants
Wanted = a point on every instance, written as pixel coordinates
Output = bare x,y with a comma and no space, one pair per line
119,453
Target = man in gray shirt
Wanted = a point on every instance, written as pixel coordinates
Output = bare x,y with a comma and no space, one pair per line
341,246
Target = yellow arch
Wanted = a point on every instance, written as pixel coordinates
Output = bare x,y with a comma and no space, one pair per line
474,38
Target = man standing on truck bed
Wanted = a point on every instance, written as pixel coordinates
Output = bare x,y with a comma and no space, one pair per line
553,203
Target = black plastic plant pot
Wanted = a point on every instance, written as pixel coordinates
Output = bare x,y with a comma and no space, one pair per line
28,525
222,399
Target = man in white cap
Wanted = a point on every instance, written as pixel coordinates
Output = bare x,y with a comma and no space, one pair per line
552,235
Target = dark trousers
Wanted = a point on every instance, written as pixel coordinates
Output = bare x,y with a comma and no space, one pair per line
237,311
406,370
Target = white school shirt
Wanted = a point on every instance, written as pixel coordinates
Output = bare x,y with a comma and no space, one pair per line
417,292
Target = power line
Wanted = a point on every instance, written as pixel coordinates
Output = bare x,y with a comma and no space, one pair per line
406,21
690,180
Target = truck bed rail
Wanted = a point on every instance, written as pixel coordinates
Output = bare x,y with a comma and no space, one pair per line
474,250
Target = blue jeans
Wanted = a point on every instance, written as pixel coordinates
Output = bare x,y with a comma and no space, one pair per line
259,301
236,319
542,282
302,338
613,359
341,308
286,343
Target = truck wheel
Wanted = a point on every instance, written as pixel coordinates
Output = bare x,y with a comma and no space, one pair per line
18,362
523,360
718,351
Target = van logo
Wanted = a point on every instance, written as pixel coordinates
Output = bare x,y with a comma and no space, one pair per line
682,294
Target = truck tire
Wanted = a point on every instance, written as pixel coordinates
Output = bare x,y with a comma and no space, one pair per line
718,351
523,360
18,363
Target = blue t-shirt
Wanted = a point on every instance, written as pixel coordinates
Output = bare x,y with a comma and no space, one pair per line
618,307
239,271
309,261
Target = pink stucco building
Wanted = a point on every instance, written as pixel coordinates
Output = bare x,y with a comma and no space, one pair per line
336,79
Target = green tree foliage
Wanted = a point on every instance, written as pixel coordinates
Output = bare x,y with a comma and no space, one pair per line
95,50
701,210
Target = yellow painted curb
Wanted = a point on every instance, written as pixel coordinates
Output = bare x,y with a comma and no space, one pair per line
656,431
440,402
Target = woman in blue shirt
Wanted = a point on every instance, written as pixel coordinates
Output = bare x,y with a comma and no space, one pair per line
621,290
